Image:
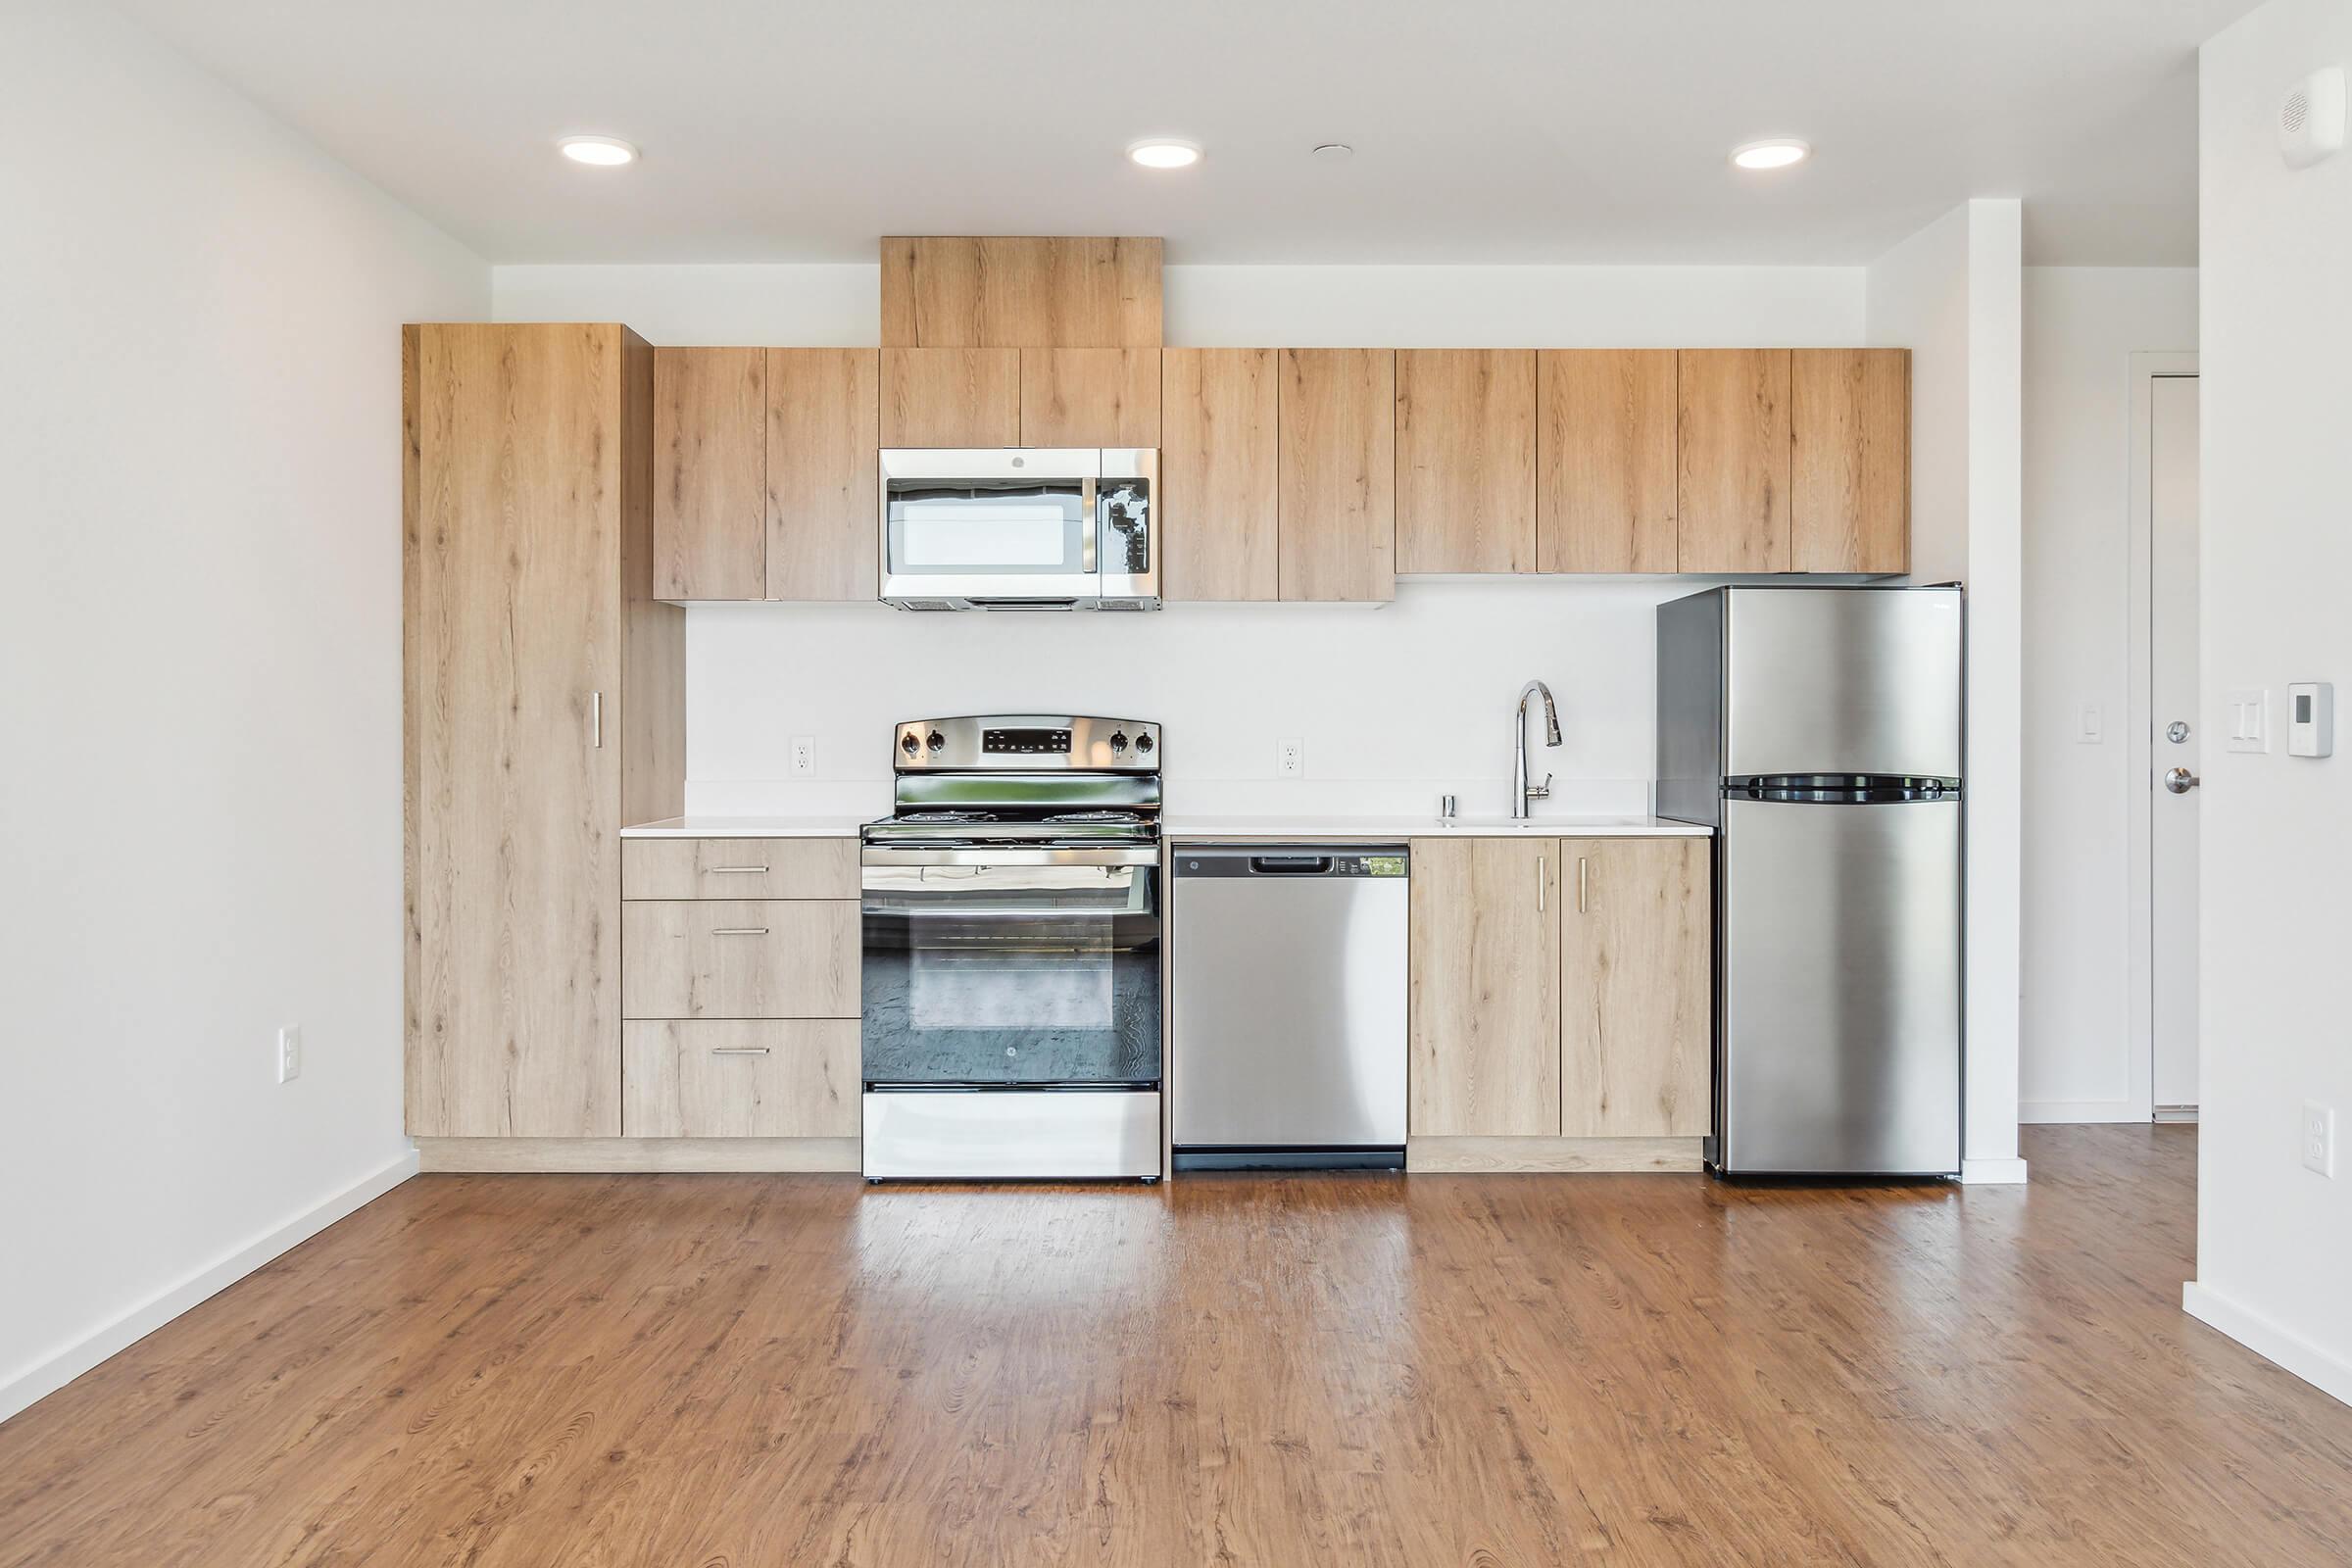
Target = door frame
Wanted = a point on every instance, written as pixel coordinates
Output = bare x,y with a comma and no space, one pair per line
2139,725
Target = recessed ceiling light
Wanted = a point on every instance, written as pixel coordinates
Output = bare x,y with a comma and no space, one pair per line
1162,153
1333,152
1777,153
605,152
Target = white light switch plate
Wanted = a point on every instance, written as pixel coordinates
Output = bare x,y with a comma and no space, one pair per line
2246,714
2091,725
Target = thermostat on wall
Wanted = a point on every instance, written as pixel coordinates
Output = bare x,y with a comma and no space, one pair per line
2310,719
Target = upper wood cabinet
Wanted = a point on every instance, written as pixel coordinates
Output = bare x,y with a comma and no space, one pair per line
954,292
1466,460
823,473
1635,994
1734,461
1605,487
710,473
1849,416
543,711
1090,397
1218,452
1337,475
1484,1026
951,397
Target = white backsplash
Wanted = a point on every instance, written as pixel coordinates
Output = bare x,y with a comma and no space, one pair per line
1396,706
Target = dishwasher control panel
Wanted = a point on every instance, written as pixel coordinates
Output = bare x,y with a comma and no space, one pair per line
1275,860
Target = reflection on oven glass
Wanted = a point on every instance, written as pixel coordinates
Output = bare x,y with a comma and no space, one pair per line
1000,990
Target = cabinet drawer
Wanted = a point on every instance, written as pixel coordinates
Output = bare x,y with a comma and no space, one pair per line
739,868
739,1078
768,958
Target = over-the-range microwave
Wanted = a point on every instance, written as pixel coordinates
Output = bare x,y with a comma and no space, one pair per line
1020,528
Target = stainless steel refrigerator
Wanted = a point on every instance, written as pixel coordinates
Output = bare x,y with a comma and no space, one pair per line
1818,732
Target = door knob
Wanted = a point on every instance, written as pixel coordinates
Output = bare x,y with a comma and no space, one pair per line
2179,780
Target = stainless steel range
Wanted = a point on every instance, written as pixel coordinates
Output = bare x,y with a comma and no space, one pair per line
1013,944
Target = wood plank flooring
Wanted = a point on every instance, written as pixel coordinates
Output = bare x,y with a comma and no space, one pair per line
718,1371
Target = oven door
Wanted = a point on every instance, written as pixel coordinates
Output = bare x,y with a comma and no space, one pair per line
1001,967
992,526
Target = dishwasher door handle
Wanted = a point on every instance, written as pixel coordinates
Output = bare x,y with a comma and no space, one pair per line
1289,865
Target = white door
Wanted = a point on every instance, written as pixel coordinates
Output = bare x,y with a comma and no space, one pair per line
2172,704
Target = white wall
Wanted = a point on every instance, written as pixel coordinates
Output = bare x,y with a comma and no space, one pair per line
2082,325
1951,293
199,682
1394,704
2274,1239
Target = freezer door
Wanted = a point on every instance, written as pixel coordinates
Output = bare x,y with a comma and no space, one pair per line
1841,681
1839,981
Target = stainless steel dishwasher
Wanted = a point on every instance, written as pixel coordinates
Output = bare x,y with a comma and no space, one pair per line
1291,993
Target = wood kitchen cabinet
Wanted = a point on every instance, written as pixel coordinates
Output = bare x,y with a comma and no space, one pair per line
1466,460
1090,397
1336,475
1637,1002
824,500
1484,1034
1218,456
1605,481
967,397
543,710
1021,291
1734,459
1850,501
710,473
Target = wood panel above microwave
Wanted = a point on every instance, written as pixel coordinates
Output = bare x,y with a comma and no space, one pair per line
951,292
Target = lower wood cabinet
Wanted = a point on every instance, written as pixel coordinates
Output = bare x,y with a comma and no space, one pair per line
1560,989
739,1078
739,959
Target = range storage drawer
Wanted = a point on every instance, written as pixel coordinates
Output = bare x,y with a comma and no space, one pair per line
739,1078
739,959
739,868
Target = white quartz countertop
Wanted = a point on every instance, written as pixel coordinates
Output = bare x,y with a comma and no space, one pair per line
747,827
1178,826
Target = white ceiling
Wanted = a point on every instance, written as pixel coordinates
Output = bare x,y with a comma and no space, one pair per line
1486,130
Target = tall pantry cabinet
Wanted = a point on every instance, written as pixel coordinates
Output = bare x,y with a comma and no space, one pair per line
542,709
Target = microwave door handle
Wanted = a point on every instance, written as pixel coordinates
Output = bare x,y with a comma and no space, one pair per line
1085,525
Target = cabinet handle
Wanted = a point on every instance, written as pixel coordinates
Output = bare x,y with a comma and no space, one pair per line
739,930
1579,884
1543,875
739,1051
596,717
721,870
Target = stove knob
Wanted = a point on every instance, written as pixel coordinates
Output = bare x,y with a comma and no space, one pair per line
1118,740
938,743
910,745
1143,742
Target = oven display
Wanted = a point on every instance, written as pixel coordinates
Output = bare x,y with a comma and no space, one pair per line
1055,742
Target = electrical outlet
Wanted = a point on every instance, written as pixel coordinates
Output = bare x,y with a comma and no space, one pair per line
1290,759
2319,1139
289,1055
803,755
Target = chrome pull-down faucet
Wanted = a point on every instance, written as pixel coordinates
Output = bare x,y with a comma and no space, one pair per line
1522,791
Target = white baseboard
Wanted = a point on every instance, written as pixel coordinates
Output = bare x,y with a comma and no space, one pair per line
27,1385
1993,1172
2080,1111
2324,1370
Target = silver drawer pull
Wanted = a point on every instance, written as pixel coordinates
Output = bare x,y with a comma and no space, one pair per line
720,870
739,930
739,1051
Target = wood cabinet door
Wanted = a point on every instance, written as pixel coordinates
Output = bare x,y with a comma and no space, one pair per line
951,397
1217,461
1733,486
517,436
1485,1031
823,473
710,473
1605,489
1637,953
1466,460
1336,521
1849,423
1090,397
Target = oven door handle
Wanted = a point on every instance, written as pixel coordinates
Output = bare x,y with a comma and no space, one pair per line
982,856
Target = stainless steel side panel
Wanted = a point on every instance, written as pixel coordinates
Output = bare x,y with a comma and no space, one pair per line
1839,981
1691,708
1291,1001
999,1134
1841,681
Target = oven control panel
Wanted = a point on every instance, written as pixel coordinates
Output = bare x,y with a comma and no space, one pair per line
1027,743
